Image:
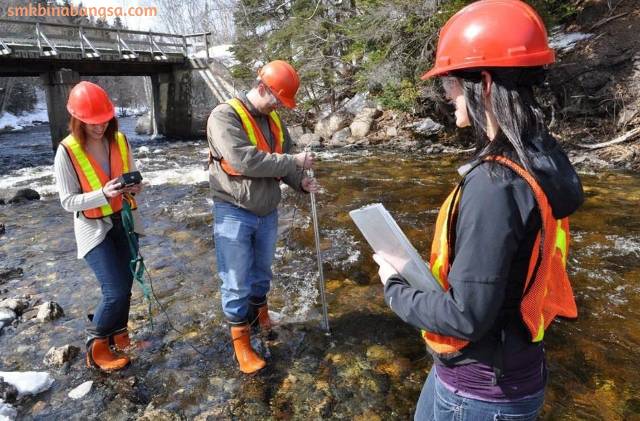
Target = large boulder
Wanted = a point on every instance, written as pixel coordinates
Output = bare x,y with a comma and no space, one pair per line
361,124
358,103
309,140
425,127
326,127
24,195
340,138
143,124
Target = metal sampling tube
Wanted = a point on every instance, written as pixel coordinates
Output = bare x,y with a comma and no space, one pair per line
316,230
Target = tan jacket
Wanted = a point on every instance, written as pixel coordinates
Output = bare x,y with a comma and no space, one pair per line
257,189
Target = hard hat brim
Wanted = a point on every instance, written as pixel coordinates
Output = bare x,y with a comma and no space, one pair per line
96,119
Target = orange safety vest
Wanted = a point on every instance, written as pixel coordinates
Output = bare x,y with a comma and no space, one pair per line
92,177
255,135
547,291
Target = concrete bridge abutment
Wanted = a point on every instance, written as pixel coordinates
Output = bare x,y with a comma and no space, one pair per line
57,86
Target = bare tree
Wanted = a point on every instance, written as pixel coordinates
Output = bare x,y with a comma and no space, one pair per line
199,16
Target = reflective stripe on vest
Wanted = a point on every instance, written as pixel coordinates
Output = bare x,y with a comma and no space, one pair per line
91,175
547,291
255,135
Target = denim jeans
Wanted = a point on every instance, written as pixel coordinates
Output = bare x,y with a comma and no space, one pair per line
109,261
245,245
439,403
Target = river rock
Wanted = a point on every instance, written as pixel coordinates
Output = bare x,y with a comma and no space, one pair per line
426,127
309,140
49,311
2,228
81,390
7,315
56,357
152,414
24,195
359,102
361,124
326,127
340,138
7,412
7,273
16,304
1,201
295,131
8,392
143,124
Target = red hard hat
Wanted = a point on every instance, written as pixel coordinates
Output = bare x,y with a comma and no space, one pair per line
90,104
283,80
492,33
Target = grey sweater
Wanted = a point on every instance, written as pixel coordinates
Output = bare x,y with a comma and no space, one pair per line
89,232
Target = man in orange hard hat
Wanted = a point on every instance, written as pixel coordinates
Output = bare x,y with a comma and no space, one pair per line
248,157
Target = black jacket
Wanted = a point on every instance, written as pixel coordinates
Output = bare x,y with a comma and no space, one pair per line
496,228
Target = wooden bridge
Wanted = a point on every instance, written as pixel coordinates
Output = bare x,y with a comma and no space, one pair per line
60,54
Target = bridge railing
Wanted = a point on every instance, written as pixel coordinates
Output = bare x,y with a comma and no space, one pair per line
50,39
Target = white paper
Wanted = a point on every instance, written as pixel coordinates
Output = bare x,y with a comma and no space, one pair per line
387,239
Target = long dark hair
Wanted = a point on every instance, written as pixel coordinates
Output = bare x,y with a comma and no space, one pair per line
518,114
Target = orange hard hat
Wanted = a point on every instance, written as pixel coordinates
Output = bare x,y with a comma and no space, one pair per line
283,81
90,103
492,33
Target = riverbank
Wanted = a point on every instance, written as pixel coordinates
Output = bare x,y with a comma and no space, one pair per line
372,366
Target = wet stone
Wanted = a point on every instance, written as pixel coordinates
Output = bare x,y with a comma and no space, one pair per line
49,311
57,357
16,304
152,414
9,273
7,315
8,392
24,195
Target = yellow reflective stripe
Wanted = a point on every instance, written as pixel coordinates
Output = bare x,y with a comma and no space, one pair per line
276,119
561,242
124,154
87,170
246,121
540,333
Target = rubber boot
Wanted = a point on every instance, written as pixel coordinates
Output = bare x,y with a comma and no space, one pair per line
260,320
247,358
121,341
100,355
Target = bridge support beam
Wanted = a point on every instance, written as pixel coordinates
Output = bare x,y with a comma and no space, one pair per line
172,103
57,86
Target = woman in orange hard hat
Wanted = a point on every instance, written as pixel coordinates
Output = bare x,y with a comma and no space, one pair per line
87,166
501,238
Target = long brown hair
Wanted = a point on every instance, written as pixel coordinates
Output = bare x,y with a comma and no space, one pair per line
76,127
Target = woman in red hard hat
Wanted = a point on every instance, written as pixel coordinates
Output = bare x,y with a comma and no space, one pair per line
501,238
87,165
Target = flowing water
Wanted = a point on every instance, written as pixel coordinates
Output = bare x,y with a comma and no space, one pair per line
372,366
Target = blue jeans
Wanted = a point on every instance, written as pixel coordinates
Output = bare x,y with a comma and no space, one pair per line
439,403
109,261
245,245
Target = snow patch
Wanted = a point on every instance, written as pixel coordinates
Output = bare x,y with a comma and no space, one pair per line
221,53
563,41
81,390
28,382
7,412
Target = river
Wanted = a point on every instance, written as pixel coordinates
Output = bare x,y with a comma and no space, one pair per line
372,366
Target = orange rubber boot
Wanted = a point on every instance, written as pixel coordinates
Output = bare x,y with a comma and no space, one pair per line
99,355
121,341
249,361
263,318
